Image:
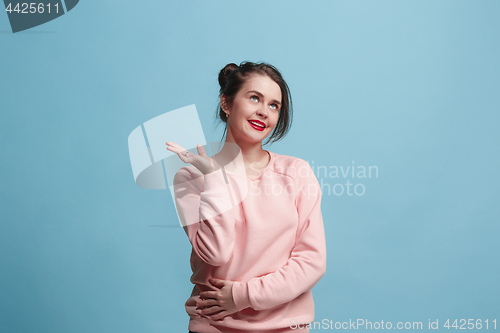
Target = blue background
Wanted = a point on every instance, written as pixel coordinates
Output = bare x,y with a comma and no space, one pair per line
412,87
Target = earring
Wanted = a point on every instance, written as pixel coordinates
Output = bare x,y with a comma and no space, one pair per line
226,115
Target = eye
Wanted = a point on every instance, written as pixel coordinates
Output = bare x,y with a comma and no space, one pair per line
275,106
254,96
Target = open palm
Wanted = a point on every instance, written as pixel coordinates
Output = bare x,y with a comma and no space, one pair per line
202,161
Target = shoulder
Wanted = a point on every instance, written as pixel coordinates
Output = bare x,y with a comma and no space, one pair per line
301,173
295,167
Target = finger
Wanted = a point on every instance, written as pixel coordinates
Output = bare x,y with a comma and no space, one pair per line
175,146
217,282
175,149
211,310
184,155
208,294
207,302
220,315
181,152
172,146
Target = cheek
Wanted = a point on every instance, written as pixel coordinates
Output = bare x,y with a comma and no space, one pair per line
275,120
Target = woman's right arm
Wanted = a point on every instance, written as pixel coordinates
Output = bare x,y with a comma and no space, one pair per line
207,216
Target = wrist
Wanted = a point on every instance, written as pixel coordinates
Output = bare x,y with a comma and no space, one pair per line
241,297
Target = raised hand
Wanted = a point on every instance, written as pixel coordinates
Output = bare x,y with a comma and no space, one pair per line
202,161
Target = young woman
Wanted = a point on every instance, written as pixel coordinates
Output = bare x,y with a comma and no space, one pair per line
256,227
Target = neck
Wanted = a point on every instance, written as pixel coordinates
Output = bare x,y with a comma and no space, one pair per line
252,152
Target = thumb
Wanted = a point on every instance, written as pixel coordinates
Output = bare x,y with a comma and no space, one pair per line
201,150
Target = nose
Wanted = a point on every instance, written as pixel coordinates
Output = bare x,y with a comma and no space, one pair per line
261,111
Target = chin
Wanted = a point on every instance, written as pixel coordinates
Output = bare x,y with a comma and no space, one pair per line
256,139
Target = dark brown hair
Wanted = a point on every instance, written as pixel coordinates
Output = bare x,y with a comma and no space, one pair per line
232,78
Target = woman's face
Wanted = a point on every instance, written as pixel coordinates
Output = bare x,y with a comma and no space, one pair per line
258,101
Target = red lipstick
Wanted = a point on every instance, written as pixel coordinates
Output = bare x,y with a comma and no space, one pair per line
257,127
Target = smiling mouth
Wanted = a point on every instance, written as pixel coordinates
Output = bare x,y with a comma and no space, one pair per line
255,126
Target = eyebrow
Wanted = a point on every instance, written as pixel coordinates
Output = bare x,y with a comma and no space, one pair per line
260,94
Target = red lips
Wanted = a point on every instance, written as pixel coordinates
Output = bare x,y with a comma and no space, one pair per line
257,127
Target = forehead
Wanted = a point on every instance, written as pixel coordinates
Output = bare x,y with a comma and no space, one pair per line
263,84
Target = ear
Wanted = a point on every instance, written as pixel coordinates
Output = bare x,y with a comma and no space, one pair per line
223,103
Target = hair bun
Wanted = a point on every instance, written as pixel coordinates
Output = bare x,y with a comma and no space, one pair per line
224,73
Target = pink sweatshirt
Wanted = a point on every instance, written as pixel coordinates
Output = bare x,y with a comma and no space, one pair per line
271,243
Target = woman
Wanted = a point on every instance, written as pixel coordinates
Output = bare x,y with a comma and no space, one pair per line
256,227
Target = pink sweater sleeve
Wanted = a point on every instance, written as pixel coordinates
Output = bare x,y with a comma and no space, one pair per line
307,262
207,216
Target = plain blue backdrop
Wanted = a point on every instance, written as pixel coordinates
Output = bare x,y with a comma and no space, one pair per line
411,87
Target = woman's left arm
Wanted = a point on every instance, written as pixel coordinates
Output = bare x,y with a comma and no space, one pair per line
304,268
307,263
